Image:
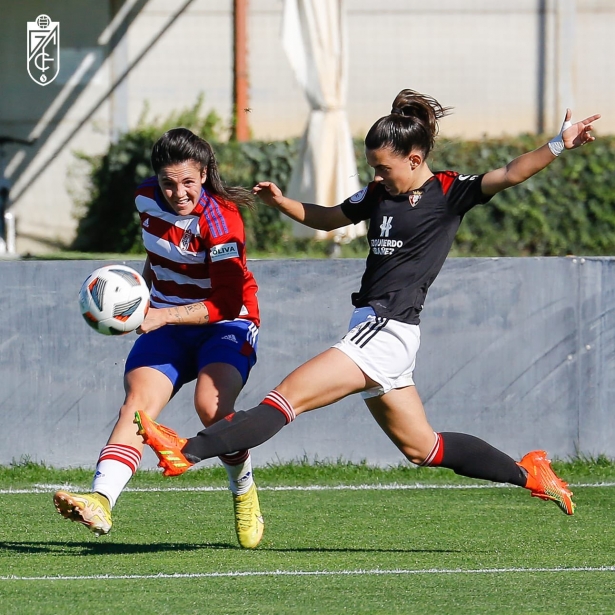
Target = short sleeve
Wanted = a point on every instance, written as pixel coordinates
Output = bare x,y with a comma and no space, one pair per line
222,227
360,205
462,192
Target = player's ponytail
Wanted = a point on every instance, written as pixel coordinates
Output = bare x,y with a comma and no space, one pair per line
412,124
182,145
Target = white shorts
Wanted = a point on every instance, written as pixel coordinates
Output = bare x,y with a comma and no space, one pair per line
384,349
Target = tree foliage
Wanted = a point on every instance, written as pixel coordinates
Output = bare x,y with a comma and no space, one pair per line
108,220
568,208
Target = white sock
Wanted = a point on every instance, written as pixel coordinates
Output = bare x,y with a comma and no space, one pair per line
116,465
239,469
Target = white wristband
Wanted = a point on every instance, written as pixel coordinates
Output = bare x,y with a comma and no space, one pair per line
556,144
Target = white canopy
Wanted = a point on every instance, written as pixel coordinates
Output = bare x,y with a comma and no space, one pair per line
325,172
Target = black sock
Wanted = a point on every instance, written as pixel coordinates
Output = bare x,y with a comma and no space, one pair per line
237,432
473,457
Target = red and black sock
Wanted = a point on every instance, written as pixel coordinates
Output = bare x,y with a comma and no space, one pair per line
470,456
241,430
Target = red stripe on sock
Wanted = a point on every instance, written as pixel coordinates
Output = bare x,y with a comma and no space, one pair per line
279,402
123,450
235,459
437,452
128,455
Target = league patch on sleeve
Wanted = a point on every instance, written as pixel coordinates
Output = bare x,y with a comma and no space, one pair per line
223,251
357,197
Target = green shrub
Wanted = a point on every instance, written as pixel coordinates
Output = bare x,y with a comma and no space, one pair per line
108,220
244,164
568,208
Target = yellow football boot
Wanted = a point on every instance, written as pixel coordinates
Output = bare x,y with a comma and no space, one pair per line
249,523
91,509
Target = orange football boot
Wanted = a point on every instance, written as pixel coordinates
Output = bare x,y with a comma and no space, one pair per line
544,483
165,443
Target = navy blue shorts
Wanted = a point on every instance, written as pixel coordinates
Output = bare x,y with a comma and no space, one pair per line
181,351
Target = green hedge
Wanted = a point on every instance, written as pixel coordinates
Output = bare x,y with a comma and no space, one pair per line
568,208
108,220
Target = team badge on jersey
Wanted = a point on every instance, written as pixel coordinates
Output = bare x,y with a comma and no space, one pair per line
415,197
184,244
357,197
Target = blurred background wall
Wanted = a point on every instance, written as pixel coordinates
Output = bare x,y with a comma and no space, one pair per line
518,351
506,67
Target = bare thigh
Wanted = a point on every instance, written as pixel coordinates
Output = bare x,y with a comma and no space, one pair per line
147,389
217,388
401,416
326,378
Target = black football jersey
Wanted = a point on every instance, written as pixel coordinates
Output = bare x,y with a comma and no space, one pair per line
409,237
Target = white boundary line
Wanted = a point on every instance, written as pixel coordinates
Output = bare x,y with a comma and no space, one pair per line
305,573
48,488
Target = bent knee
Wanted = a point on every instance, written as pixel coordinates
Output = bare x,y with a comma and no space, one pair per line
415,456
213,410
430,454
421,453
210,417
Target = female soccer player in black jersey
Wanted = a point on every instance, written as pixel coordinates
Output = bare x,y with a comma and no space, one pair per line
414,215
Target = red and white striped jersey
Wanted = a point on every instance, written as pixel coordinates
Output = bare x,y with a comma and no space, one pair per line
199,257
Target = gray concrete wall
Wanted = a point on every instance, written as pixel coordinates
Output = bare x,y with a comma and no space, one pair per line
517,351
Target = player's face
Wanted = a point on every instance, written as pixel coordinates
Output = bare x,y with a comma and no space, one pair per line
181,185
394,171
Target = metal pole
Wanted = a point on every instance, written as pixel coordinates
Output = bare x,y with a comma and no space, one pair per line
542,65
241,106
566,11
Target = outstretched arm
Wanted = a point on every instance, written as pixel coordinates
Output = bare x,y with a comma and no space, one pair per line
526,165
314,216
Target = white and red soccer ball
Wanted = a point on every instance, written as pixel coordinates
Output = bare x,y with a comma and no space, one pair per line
114,300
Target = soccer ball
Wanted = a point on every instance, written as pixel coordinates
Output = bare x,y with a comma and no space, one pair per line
114,300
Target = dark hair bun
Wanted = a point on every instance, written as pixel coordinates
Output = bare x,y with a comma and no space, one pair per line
412,124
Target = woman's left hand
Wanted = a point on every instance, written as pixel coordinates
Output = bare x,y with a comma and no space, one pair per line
578,134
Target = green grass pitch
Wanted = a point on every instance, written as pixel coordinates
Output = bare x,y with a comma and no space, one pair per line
339,538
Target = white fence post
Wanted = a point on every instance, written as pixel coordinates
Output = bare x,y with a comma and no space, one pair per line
9,225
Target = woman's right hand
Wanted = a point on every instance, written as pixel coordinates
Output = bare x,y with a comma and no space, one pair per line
269,193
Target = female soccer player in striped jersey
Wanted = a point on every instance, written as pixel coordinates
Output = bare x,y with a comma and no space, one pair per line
202,324
414,215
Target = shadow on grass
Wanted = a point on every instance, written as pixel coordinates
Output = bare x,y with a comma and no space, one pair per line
107,548
114,548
